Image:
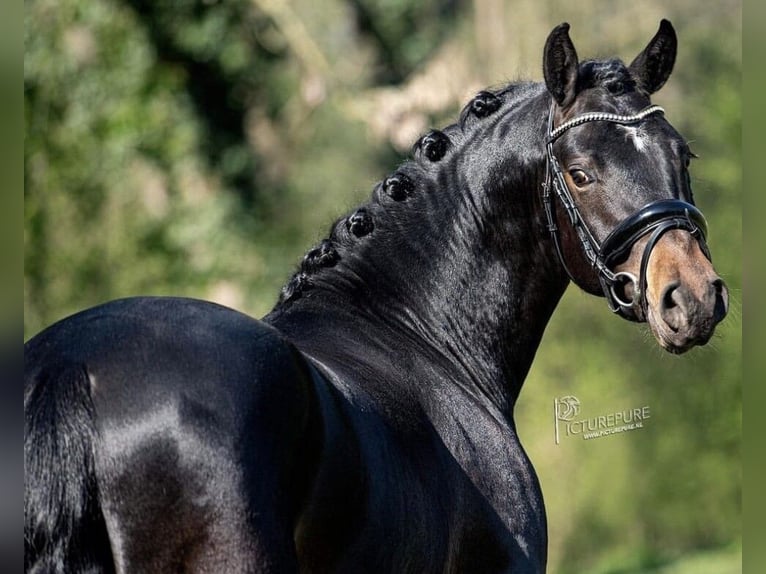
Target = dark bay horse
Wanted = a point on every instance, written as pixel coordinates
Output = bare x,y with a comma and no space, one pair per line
366,423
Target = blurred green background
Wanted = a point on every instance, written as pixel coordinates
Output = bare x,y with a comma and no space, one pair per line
200,147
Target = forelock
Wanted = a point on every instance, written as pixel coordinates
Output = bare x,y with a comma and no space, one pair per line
612,75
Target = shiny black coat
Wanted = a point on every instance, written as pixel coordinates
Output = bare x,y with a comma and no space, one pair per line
366,423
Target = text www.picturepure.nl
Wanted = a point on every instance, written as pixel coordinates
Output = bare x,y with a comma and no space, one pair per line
611,431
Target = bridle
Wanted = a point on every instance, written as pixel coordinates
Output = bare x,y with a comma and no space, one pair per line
656,218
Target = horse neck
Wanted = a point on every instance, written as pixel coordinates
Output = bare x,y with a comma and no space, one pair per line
461,276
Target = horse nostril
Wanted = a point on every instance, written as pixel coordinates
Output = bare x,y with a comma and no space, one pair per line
721,294
671,306
719,287
669,296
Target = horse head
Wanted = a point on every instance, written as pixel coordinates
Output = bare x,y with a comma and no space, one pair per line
618,192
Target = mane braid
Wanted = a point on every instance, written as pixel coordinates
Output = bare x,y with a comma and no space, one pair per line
415,175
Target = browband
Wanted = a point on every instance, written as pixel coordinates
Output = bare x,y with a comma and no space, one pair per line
603,117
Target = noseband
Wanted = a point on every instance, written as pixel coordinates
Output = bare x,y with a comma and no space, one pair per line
656,218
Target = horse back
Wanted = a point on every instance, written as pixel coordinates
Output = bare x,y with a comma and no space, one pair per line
199,415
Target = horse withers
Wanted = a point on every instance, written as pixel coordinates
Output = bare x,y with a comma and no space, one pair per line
366,423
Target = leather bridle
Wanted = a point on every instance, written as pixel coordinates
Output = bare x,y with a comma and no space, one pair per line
656,218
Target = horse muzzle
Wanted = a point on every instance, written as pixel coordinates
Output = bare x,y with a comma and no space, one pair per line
683,297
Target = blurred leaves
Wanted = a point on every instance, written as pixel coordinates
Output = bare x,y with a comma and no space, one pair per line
397,31
199,147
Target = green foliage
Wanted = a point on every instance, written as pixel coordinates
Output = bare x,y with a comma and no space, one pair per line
114,181
403,32
199,148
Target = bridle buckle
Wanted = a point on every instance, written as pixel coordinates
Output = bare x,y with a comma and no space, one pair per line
618,297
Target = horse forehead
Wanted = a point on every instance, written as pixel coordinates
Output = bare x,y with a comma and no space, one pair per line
655,140
651,140
637,136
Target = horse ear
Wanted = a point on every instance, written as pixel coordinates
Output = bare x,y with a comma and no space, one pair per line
652,67
560,65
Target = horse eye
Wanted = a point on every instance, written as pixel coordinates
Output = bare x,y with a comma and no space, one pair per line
579,177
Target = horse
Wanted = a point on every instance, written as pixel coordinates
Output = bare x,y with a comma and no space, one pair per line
366,423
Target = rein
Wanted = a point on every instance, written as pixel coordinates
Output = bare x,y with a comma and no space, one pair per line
656,218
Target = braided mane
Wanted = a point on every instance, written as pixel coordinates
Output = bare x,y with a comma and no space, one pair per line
415,176
413,179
